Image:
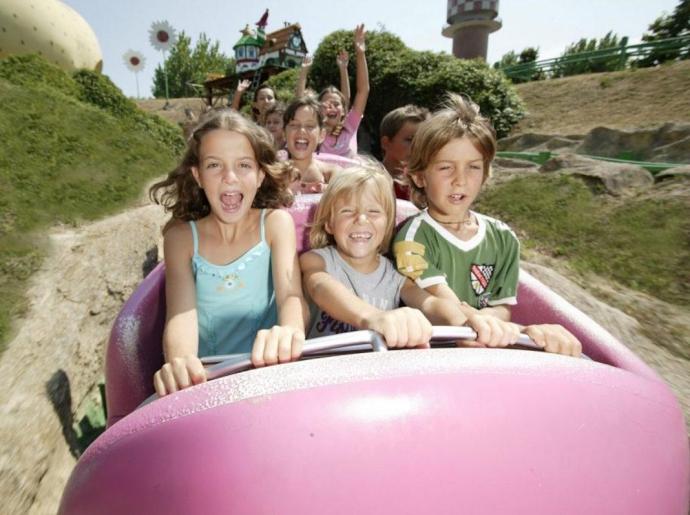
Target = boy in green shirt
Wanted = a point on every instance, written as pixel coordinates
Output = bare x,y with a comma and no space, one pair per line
456,254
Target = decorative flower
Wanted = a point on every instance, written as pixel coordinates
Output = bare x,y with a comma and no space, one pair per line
134,60
162,35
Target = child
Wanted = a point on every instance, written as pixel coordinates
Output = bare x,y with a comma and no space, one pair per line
264,97
232,276
303,134
352,285
341,130
396,132
454,253
273,121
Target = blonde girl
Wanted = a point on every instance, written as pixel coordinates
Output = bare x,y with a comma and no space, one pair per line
232,276
351,284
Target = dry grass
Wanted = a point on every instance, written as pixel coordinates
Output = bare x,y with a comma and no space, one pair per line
646,97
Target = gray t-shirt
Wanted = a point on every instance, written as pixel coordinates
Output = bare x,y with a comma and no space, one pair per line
380,288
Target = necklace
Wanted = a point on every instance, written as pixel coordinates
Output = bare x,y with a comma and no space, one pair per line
466,222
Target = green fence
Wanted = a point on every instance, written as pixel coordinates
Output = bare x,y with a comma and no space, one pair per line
541,157
616,58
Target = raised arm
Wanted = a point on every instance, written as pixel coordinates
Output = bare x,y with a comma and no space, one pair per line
362,95
283,342
242,86
343,59
182,366
402,327
303,72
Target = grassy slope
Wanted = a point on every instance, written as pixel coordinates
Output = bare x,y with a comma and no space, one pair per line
61,161
641,243
647,97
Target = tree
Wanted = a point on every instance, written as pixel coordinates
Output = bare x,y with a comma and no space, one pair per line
186,65
668,26
572,63
399,75
526,62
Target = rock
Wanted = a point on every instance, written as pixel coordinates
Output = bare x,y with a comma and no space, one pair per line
618,179
676,152
511,163
638,144
530,142
681,172
504,169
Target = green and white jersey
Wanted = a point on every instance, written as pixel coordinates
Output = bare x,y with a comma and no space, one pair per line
482,271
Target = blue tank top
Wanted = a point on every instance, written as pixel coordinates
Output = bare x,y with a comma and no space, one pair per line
233,301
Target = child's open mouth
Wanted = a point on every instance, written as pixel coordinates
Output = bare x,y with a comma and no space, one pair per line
231,201
301,144
456,197
360,237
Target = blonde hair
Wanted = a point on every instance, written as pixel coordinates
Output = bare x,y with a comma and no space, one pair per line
179,192
458,117
346,184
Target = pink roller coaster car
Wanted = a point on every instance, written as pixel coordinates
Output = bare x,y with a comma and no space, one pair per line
442,430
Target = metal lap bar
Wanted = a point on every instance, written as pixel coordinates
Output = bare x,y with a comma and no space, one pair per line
355,341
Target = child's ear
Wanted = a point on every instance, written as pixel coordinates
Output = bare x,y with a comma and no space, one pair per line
385,141
195,173
327,227
418,179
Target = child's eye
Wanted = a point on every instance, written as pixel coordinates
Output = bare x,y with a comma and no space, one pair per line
212,165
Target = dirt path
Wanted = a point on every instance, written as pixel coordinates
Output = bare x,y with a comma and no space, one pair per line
56,359
49,370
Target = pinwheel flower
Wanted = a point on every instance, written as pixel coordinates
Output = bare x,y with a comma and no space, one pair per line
162,35
134,60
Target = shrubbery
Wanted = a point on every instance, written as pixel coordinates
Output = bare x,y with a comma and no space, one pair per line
90,87
32,70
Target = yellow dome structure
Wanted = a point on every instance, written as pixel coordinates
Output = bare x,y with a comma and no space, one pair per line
51,29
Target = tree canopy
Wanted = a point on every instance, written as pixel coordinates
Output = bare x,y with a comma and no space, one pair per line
187,65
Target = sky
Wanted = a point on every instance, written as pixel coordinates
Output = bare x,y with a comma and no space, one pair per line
550,25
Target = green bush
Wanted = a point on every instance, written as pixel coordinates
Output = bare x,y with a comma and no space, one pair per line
33,70
99,90
284,84
399,76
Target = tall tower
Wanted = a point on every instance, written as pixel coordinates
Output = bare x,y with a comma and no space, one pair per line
469,24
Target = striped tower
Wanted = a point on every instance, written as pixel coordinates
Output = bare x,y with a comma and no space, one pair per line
469,24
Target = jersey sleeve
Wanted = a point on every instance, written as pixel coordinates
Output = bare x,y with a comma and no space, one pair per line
414,255
507,275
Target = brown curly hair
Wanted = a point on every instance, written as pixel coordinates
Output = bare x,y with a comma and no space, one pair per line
180,194
457,117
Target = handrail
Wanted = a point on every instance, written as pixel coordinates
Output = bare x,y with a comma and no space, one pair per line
623,52
541,157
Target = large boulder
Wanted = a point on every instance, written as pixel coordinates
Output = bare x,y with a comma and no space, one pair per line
656,144
530,142
617,179
680,172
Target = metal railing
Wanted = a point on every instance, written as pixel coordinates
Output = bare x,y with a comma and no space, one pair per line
541,157
622,55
